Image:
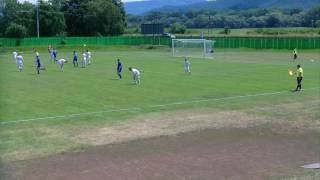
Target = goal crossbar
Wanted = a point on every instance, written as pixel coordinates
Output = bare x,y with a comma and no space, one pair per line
200,48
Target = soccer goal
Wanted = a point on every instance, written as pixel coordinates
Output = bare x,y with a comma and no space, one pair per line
199,48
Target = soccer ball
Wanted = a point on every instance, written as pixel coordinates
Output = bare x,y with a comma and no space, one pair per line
290,72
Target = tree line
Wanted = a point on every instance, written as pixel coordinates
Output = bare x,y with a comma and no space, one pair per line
250,18
62,18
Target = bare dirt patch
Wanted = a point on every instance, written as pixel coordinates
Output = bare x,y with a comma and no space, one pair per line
207,154
300,116
197,144
166,124
285,118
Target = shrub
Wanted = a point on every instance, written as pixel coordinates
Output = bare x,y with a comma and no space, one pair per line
16,31
227,30
177,28
318,23
63,42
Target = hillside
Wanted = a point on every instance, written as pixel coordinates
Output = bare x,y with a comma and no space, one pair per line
245,4
140,7
183,5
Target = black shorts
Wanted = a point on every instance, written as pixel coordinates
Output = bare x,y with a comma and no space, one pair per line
299,80
295,56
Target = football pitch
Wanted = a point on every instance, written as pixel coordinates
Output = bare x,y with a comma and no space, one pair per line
53,112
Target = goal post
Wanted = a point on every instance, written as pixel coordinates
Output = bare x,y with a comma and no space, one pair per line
198,48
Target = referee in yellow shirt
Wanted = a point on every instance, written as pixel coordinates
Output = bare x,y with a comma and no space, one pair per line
299,74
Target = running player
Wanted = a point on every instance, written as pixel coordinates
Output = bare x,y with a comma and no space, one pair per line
54,54
51,53
88,57
49,49
14,56
36,52
38,64
84,60
75,59
187,66
20,62
119,69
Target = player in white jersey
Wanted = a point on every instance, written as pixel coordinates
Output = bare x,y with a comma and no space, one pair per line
37,55
61,63
20,62
135,75
50,50
187,66
84,60
88,57
14,56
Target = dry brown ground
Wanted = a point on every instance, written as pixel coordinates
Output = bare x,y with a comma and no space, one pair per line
196,144
166,124
207,154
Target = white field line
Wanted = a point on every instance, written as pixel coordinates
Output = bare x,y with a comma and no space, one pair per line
152,106
69,115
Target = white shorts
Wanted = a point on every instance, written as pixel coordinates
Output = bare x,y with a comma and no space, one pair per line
136,77
20,65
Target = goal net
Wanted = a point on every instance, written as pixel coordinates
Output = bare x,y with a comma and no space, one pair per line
199,48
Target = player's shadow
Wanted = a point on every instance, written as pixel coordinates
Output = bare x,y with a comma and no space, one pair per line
294,91
132,84
115,79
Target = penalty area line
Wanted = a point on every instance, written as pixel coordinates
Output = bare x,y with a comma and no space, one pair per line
152,106
69,115
226,98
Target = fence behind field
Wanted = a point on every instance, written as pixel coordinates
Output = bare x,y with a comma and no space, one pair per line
114,40
220,42
268,42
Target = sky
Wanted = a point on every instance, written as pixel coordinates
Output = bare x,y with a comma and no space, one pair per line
122,0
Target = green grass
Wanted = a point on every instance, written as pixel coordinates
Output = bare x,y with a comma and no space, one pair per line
27,95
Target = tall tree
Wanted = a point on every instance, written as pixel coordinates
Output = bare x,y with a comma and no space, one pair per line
105,17
52,21
98,17
312,16
57,4
74,12
19,14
